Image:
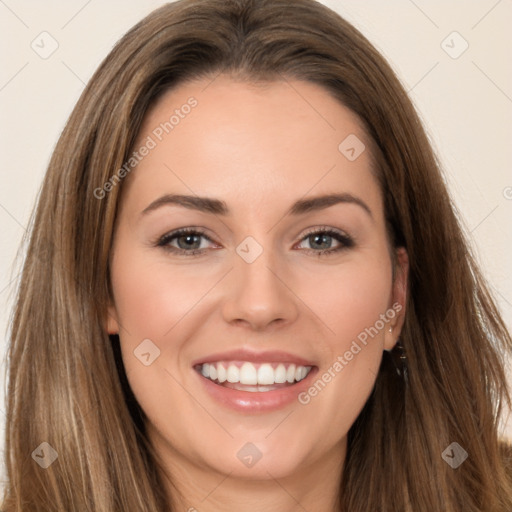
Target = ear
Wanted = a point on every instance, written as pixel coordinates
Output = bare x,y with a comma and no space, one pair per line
398,299
112,326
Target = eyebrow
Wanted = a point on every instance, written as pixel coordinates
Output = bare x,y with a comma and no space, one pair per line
218,207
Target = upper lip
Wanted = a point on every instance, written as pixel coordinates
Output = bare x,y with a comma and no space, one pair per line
268,356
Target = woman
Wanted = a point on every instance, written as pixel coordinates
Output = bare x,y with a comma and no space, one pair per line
251,371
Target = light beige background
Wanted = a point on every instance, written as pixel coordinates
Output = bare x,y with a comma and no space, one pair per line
465,102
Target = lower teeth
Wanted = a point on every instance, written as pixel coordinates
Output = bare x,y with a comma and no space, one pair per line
252,389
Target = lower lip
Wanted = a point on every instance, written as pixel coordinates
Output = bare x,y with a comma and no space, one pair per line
256,401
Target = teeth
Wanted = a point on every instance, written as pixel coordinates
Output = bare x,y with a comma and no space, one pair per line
249,374
290,373
221,373
233,373
300,373
266,375
280,374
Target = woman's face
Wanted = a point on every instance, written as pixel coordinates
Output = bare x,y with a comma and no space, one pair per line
247,295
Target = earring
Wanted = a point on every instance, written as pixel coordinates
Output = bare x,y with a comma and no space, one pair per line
399,358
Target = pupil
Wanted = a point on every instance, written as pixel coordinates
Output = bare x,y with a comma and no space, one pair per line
321,237
189,240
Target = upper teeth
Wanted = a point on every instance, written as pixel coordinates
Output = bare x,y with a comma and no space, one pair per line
250,374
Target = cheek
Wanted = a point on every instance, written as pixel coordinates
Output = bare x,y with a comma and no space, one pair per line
349,298
352,301
151,300
153,303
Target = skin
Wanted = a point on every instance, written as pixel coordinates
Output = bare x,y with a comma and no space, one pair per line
259,149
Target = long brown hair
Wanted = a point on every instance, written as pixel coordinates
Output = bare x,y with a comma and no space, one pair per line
67,385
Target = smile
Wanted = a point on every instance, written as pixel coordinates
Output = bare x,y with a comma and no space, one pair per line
253,377
254,382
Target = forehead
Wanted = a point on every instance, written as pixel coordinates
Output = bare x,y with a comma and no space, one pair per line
237,140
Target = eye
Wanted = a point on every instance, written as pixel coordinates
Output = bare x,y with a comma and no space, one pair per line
322,237
188,241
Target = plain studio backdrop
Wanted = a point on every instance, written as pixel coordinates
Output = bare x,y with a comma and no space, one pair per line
453,58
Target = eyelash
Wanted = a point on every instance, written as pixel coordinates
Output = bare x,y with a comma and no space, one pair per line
346,241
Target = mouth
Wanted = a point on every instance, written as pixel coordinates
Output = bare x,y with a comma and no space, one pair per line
251,382
253,377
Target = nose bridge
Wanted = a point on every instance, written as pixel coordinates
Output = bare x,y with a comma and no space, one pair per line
257,292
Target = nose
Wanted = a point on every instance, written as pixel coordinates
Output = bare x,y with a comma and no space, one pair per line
258,295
